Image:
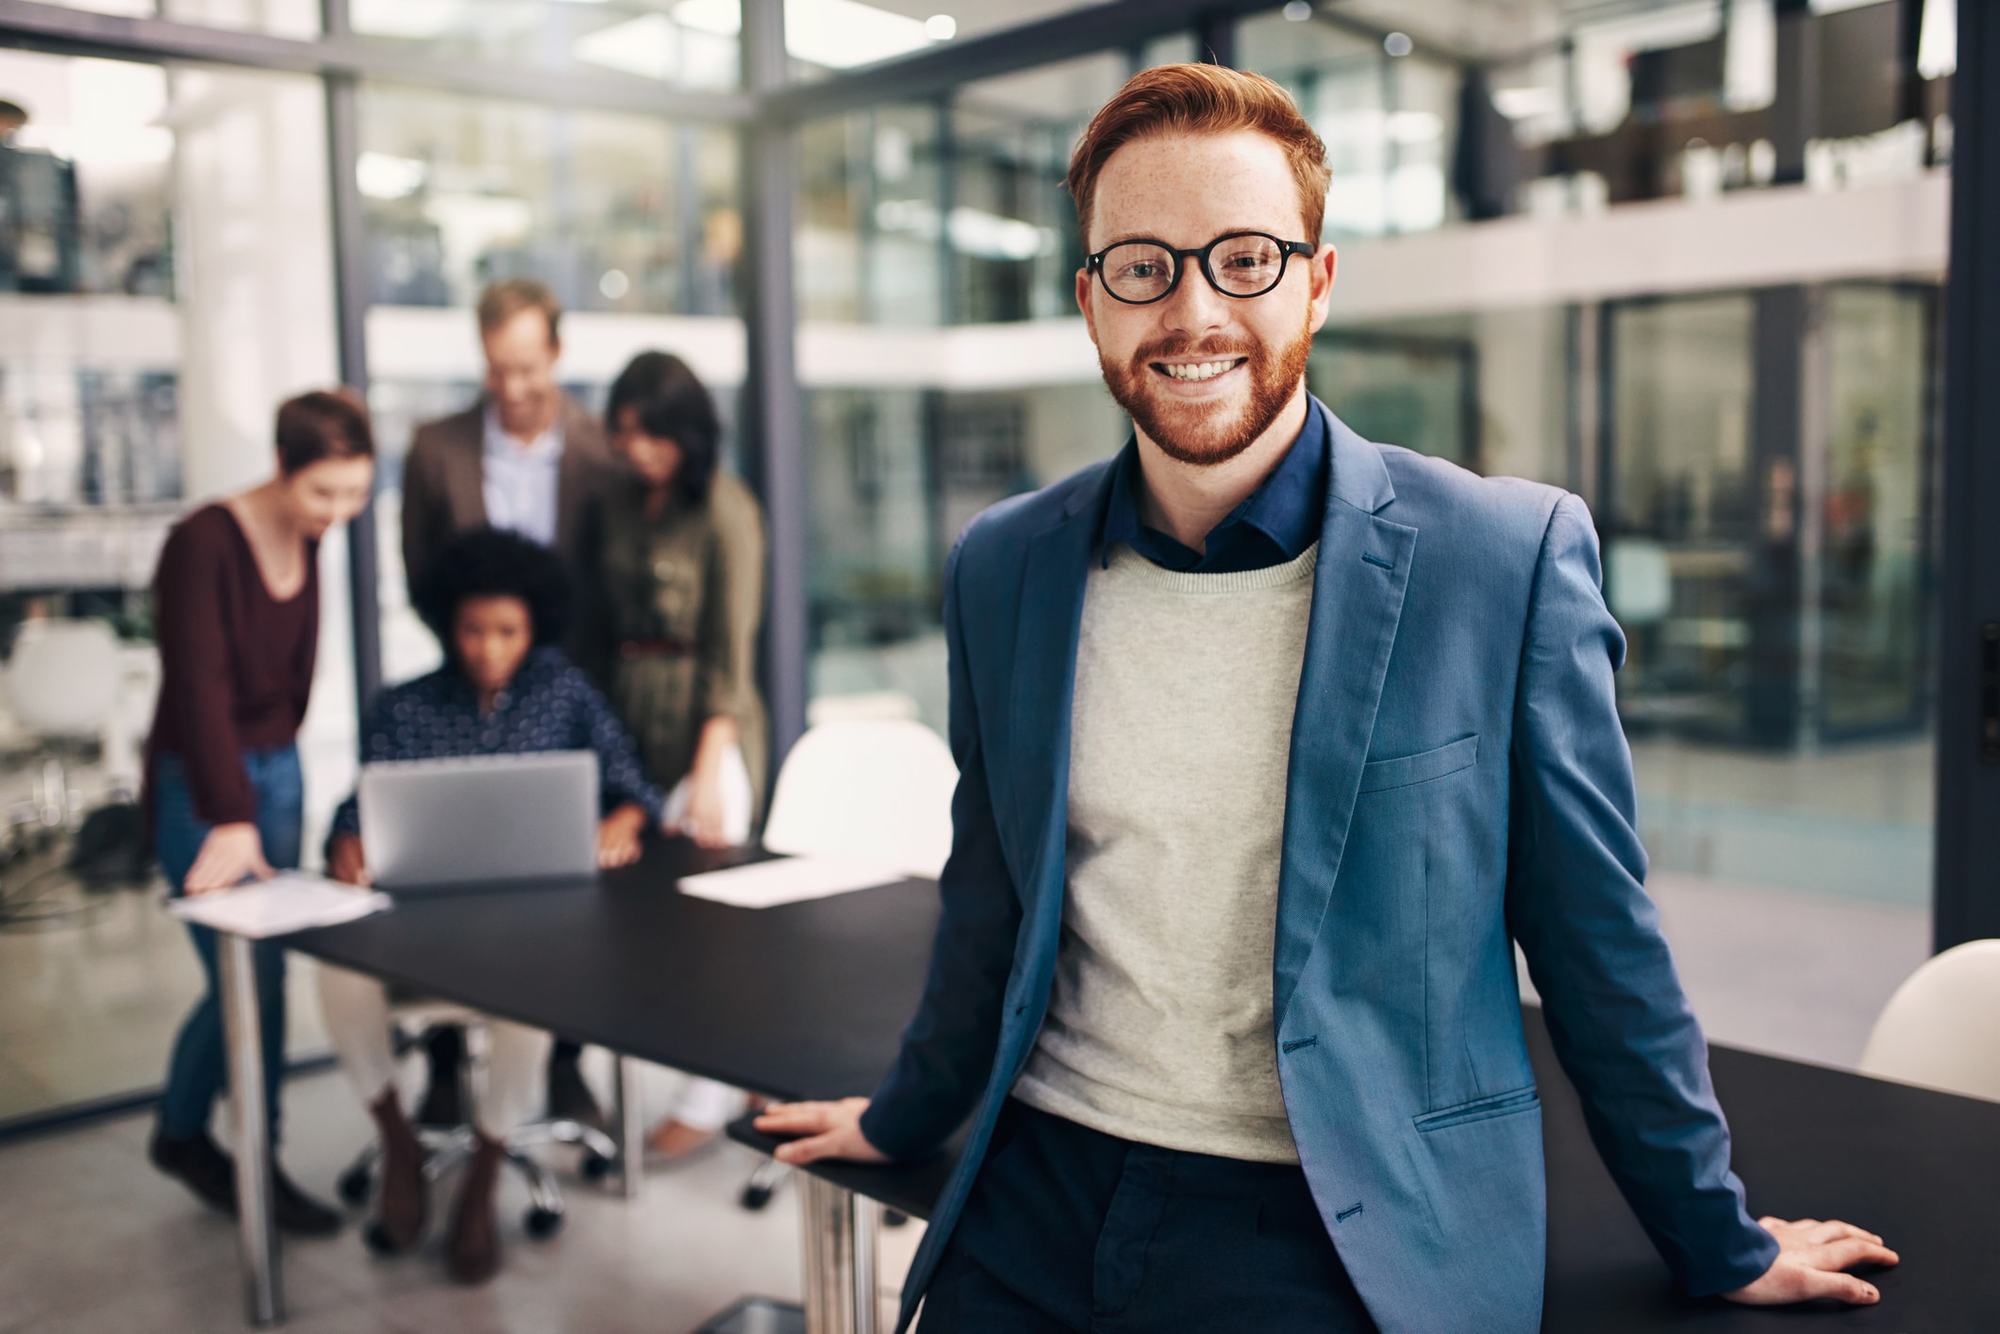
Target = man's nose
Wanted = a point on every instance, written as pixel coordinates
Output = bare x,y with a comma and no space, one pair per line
1195,308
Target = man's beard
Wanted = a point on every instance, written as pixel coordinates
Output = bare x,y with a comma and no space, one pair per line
1206,434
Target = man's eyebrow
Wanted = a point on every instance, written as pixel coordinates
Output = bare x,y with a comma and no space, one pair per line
1123,237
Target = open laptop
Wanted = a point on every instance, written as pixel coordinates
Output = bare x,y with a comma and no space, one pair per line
478,821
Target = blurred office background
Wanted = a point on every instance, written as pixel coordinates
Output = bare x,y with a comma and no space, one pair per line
1684,257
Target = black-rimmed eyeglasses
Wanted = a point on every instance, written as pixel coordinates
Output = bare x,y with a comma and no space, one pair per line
1241,264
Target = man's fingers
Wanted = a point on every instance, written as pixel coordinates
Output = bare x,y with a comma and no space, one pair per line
801,1151
794,1118
1834,1230
1840,1287
1847,1253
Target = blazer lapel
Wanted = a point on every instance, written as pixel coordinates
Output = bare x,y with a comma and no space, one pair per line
1357,600
1044,687
466,476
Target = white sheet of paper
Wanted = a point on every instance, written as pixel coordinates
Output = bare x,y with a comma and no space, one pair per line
790,880
287,902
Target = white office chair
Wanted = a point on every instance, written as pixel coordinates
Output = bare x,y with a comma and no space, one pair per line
866,787
62,683
876,787
1939,1028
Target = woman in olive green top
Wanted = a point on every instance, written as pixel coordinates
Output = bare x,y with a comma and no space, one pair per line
682,577
681,572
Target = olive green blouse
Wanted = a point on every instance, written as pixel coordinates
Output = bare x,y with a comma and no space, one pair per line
683,596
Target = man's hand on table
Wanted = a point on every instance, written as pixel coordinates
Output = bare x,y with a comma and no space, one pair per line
1811,1259
827,1130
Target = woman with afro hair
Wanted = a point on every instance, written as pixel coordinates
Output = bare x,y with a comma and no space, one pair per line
498,603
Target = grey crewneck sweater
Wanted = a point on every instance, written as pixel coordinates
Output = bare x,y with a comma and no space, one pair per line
1159,1027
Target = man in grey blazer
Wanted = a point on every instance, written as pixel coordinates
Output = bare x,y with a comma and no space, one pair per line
526,456
529,458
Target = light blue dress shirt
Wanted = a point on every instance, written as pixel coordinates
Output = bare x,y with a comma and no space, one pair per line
520,480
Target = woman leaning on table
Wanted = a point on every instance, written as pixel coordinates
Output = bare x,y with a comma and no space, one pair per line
681,574
236,602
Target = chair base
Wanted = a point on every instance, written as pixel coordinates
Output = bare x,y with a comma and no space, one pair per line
763,1184
445,1150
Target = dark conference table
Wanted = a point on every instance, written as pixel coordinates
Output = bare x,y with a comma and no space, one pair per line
809,1000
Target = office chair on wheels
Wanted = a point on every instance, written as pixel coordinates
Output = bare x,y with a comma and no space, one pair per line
447,1147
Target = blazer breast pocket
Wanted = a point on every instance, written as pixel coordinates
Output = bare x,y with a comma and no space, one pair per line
1423,767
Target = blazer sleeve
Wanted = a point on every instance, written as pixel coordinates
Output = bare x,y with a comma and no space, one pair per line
1576,902
948,1049
425,523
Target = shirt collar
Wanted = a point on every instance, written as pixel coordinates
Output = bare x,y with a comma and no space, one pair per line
537,669
544,448
1274,524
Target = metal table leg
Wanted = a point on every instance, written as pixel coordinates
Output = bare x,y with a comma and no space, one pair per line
838,1232
631,1125
243,1032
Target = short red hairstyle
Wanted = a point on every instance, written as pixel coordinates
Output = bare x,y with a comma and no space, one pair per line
1201,99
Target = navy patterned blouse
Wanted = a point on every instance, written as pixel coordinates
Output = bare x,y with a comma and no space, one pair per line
549,705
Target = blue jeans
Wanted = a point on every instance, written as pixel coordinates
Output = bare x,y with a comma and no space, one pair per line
199,1069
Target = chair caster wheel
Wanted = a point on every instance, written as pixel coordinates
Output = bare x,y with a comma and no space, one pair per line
755,1197
376,1239
596,1167
543,1223
353,1186
894,1218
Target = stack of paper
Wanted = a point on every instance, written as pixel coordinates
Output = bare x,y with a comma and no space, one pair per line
288,902
790,880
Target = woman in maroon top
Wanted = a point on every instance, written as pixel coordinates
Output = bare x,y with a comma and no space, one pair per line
236,607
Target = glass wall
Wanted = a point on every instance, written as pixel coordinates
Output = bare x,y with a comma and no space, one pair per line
165,279
634,222
1769,553
895,475
165,272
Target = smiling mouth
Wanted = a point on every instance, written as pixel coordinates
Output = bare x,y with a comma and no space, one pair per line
1194,372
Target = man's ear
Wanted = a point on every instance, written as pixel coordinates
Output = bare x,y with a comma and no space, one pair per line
1084,283
1325,264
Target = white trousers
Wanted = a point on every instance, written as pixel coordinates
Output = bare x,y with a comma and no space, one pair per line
507,1087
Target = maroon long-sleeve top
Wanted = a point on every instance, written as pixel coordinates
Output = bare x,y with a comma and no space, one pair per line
236,664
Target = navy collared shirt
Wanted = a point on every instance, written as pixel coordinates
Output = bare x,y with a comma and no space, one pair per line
1274,524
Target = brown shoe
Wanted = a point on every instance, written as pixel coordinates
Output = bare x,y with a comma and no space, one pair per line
473,1253
401,1201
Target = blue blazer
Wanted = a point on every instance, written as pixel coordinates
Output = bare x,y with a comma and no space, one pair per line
1458,784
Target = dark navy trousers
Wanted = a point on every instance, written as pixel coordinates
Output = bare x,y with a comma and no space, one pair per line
1068,1229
